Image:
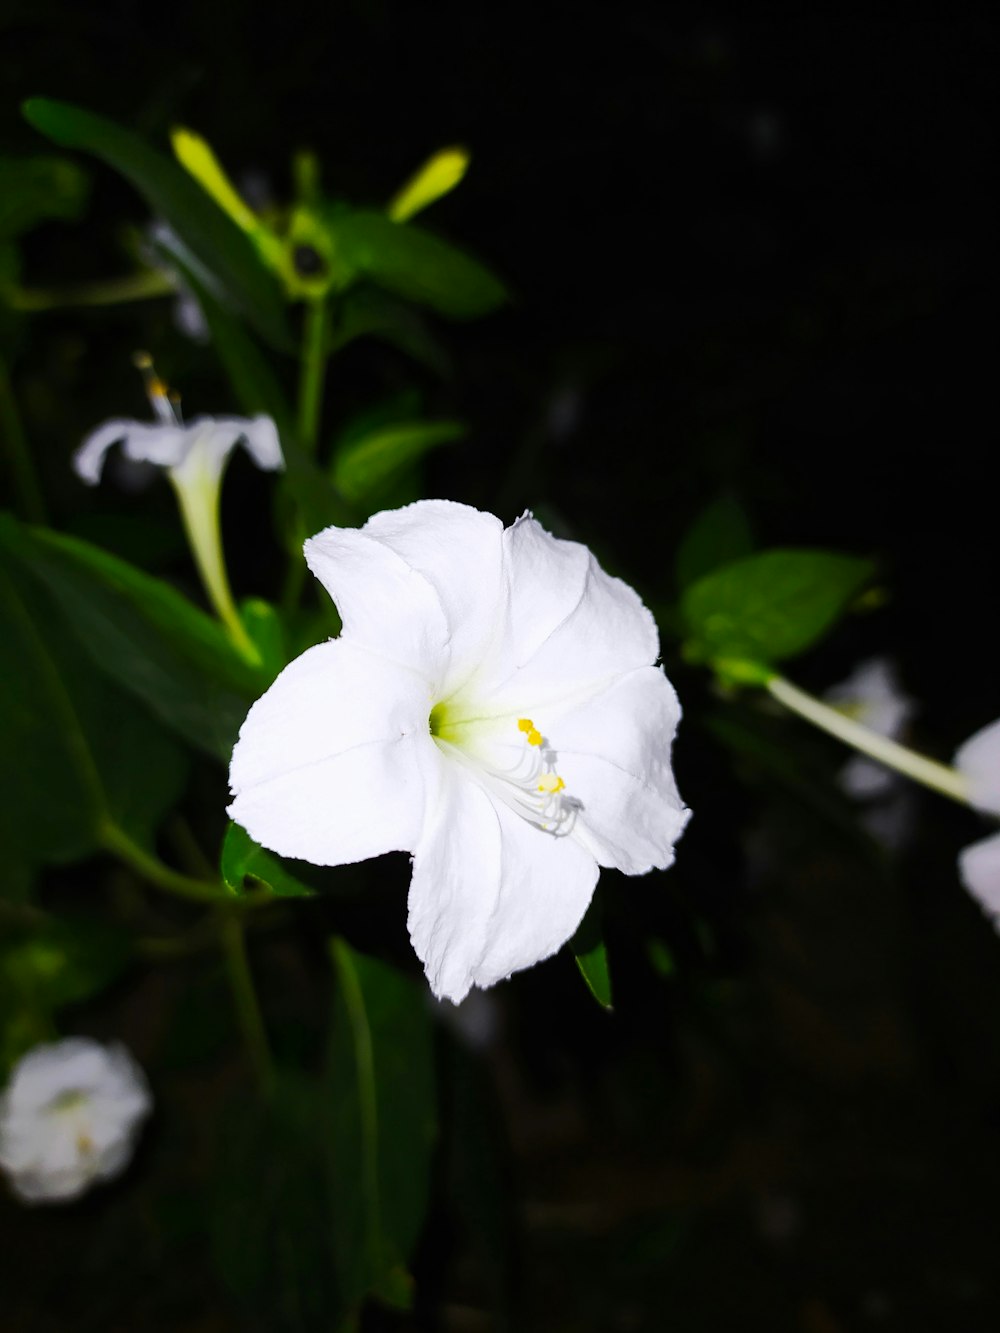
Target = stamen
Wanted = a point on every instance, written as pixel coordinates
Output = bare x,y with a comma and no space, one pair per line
165,404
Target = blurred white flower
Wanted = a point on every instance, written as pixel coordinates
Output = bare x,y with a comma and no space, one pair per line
978,760
492,707
873,696
194,457
69,1117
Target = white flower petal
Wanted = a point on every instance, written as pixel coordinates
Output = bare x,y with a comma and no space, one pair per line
143,442
614,755
260,438
979,871
490,892
384,604
570,627
459,551
332,762
866,780
978,760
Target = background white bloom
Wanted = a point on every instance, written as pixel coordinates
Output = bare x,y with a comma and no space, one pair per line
194,457
492,707
69,1117
199,449
872,695
978,760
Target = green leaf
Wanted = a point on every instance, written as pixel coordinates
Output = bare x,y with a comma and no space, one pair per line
242,860
81,753
362,466
267,634
381,1082
364,312
224,250
274,1255
414,264
34,189
591,955
770,606
144,634
719,535
61,962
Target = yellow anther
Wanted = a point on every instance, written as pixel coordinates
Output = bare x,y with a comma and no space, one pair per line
142,361
534,737
84,1143
525,724
551,783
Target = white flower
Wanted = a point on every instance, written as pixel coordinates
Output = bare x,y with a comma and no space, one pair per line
978,760
873,696
194,457
492,707
69,1117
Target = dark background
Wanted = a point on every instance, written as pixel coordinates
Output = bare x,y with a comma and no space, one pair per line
754,257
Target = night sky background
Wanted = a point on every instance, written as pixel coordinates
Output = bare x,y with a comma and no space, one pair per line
756,259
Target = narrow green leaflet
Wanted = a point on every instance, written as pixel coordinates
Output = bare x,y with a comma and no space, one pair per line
143,633
243,859
78,752
719,535
363,466
770,606
381,1088
414,264
173,195
33,189
588,948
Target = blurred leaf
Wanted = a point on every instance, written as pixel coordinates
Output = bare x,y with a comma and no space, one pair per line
437,177
171,194
250,373
272,1247
591,955
80,751
381,1083
33,189
362,466
770,606
364,312
719,535
62,961
415,265
243,859
149,638
267,633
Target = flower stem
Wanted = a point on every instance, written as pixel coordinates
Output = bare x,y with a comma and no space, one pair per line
115,840
199,506
312,373
939,777
22,467
245,1001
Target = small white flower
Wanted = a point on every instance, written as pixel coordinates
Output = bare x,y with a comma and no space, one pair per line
493,707
192,454
194,457
978,760
69,1117
873,696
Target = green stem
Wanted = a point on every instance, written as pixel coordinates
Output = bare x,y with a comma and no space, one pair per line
115,840
939,777
198,499
312,374
245,1001
22,467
